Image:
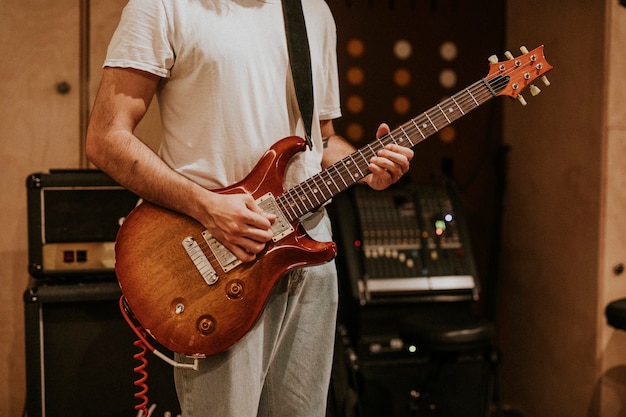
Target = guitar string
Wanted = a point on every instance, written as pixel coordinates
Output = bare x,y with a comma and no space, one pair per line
429,125
342,170
431,121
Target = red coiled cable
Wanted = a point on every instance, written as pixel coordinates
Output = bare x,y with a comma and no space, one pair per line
140,356
142,394
144,346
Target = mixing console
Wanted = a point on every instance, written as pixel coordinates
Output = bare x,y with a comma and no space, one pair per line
406,241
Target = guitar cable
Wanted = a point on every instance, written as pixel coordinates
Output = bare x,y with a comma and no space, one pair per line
143,345
140,382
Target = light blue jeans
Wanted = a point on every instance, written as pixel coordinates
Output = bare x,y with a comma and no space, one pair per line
282,367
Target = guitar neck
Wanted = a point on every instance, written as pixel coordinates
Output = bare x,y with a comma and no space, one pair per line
320,188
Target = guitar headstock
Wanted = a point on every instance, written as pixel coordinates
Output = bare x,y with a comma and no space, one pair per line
512,76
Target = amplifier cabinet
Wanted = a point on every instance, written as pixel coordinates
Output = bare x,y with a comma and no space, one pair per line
79,354
417,387
73,219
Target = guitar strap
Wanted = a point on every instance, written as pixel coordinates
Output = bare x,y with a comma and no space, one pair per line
300,61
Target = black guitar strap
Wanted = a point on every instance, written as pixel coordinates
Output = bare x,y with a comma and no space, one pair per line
300,61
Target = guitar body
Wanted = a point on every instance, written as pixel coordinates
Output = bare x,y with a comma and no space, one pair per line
167,293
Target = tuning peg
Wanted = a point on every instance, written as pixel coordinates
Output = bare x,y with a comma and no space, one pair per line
509,55
545,80
493,59
522,100
523,49
534,90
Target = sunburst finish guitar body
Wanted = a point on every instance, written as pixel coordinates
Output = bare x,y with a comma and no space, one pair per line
191,293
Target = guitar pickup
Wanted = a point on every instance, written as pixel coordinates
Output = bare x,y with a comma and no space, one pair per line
200,260
281,226
280,229
224,257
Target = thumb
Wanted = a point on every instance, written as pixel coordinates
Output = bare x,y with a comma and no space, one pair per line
382,130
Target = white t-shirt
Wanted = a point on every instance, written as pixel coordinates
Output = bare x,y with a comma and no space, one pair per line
226,94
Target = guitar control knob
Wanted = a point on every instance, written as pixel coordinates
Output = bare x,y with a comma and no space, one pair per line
235,289
205,325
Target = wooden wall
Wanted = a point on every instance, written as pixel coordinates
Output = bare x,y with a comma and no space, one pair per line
53,52
610,398
39,130
562,226
563,223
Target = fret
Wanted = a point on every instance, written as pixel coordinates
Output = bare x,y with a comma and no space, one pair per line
323,186
393,139
286,208
372,151
336,170
325,183
431,122
305,197
297,199
418,128
444,113
406,137
453,112
292,209
360,174
313,193
364,159
295,206
330,182
347,169
457,104
472,96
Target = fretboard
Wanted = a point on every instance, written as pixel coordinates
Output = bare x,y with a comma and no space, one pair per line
317,190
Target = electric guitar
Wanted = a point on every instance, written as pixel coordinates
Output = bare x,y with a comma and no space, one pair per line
196,298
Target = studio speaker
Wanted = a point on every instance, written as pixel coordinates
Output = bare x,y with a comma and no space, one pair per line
79,355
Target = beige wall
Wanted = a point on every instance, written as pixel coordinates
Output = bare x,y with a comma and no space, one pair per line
611,351
562,226
41,129
562,232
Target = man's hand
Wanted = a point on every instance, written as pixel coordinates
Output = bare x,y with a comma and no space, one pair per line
390,163
239,224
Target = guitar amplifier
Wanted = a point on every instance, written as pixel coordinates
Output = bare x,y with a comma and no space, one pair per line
73,219
80,354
